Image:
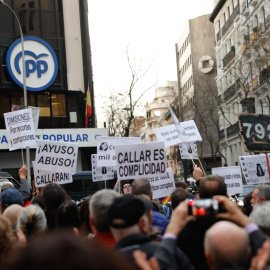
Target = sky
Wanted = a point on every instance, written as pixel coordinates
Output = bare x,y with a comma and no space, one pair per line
150,28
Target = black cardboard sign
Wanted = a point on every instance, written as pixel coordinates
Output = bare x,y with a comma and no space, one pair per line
255,132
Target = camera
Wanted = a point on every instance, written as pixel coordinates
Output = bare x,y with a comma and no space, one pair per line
203,207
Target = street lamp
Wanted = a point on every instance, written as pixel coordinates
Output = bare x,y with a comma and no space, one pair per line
24,86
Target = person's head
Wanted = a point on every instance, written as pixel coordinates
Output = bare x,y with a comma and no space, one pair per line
10,196
5,184
12,212
226,246
178,196
7,238
211,186
99,205
141,186
65,251
32,221
67,216
126,186
247,207
180,184
84,215
261,216
127,216
260,194
53,196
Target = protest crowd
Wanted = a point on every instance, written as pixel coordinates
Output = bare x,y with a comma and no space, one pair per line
126,228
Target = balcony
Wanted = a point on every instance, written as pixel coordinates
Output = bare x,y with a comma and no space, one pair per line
229,57
267,24
218,36
233,129
231,91
222,134
245,8
227,25
264,75
246,46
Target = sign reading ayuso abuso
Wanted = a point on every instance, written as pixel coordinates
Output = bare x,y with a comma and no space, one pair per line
41,64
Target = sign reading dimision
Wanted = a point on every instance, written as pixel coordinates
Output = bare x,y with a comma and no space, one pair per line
41,65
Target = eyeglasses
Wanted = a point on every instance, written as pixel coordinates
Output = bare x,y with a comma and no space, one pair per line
126,186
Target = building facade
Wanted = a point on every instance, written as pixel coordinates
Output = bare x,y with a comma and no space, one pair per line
242,32
196,72
64,26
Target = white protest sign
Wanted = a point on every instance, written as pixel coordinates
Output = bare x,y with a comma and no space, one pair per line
168,135
42,178
191,130
162,186
106,149
232,177
189,151
140,160
20,129
35,112
100,173
179,128
56,156
254,169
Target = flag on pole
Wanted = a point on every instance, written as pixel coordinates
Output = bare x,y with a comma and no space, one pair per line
88,109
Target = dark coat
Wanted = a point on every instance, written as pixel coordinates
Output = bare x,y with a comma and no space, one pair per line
160,221
177,260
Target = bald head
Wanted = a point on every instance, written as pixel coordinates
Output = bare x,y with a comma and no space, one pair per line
226,245
12,212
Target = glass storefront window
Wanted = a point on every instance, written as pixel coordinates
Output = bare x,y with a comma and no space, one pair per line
58,105
5,104
43,101
17,99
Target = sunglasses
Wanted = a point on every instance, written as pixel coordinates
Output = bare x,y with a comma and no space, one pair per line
126,186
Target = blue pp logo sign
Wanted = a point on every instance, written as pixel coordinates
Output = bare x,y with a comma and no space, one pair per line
41,64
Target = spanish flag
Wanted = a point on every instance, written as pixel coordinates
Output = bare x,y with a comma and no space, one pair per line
166,200
88,109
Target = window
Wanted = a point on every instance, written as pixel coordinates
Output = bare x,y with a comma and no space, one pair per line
58,104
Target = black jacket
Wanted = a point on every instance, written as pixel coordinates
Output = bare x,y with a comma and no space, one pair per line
175,259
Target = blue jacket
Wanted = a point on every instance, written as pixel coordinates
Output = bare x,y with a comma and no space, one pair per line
160,221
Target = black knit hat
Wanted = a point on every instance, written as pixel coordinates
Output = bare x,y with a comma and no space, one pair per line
125,211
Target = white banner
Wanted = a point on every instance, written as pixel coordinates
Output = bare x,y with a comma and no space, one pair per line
42,178
85,137
106,149
254,169
56,156
232,177
100,173
20,129
168,134
140,160
189,151
162,186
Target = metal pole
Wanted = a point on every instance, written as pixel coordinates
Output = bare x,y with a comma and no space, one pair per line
24,88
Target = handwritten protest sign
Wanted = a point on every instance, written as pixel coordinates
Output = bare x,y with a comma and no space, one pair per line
187,130
42,178
168,135
140,160
191,130
100,173
106,149
56,156
162,186
188,151
254,169
232,177
20,129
